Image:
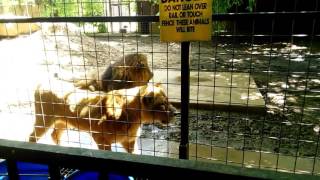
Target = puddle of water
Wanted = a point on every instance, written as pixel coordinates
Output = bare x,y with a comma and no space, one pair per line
249,159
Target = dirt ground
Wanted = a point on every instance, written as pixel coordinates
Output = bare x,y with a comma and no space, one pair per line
286,72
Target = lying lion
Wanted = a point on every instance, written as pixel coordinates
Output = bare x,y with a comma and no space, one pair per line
113,117
127,72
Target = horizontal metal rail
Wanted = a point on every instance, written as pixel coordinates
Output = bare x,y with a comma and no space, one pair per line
215,17
130,164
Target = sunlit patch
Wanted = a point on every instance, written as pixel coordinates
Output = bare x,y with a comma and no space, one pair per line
236,60
277,98
316,81
316,129
15,126
284,86
298,58
296,47
252,96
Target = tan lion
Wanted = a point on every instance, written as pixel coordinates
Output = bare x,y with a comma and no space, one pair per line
113,117
127,72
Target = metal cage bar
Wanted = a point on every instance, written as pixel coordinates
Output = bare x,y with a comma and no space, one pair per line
230,117
132,165
145,18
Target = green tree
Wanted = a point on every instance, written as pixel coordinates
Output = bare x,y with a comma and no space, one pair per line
67,8
93,8
58,8
222,6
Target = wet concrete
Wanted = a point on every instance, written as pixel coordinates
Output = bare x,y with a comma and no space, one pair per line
207,89
230,156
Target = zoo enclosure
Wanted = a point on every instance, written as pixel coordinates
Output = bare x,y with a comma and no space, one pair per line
310,72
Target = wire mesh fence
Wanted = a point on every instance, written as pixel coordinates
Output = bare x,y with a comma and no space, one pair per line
254,88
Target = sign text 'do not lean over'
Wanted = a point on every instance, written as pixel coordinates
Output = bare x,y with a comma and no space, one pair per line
185,20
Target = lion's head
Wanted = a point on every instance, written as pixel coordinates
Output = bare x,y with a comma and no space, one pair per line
137,68
156,105
144,104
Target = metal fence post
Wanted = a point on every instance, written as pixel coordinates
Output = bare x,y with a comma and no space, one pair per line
54,171
12,169
185,93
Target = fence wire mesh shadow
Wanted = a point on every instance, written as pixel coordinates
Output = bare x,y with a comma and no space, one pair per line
254,89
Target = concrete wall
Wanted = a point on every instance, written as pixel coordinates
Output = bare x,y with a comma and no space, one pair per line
21,10
18,11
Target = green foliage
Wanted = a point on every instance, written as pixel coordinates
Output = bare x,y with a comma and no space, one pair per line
93,8
69,8
102,28
58,8
251,5
222,6
61,8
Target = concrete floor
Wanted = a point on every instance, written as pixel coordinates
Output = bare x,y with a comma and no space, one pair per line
223,89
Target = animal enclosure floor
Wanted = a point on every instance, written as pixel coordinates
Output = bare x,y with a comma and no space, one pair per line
223,155
28,60
207,89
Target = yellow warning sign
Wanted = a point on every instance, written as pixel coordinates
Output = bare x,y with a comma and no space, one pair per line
185,20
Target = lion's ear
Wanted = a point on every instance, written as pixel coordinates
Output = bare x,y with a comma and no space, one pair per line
157,84
114,106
